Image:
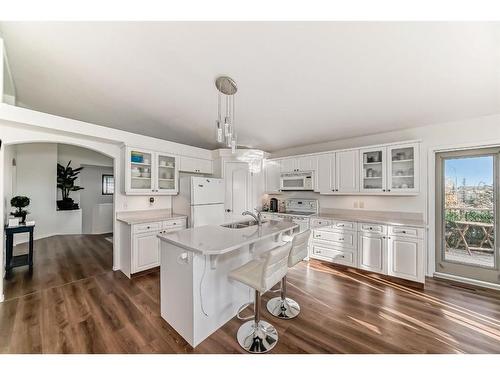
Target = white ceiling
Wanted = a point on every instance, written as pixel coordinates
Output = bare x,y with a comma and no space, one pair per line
299,83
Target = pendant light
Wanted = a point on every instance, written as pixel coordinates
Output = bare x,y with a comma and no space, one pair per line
225,130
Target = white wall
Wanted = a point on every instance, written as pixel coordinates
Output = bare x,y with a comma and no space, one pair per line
36,166
484,129
91,200
9,177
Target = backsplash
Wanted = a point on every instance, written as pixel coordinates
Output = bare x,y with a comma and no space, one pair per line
350,202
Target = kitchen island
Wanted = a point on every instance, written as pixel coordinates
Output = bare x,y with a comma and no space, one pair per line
197,297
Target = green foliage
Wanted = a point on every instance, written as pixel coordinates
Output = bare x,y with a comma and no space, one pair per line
474,234
66,177
19,202
469,215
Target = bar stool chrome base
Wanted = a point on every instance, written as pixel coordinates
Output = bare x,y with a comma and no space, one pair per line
257,337
283,308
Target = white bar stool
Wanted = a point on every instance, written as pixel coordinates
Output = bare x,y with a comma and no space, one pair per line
261,274
283,307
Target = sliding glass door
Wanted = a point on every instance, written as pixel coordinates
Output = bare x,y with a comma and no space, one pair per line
467,192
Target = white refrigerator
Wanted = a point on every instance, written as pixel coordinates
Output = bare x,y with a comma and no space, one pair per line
201,199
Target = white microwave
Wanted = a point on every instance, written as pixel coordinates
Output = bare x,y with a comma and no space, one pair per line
296,181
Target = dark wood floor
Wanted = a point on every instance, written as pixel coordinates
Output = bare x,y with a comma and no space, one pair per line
59,260
343,311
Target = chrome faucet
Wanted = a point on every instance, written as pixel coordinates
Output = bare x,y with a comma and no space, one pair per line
258,217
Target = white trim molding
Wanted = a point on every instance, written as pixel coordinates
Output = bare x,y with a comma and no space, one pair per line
466,280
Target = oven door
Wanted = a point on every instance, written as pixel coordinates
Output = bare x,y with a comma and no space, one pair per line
303,223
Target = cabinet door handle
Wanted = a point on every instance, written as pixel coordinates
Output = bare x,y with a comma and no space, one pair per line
383,189
404,231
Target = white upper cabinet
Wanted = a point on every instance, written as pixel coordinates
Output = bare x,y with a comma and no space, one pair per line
325,175
402,168
166,176
150,173
272,170
139,171
288,165
195,165
306,163
383,170
347,171
373,170
393,169
299,164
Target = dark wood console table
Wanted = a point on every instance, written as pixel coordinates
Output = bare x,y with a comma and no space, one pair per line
18,260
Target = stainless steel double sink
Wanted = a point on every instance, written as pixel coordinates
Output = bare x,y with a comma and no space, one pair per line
242,224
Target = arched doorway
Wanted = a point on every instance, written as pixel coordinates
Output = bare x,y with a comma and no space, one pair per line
63,259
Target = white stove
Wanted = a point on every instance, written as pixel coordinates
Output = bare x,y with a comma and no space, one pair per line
299,211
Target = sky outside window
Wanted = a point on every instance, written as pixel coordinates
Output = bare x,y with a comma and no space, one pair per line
476,170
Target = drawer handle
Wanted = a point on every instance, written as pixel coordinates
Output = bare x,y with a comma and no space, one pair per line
340,225
318,235
318,251
341,239
148,227
404,231
371,228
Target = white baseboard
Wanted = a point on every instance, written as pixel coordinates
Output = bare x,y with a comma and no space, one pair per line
466,280
2,298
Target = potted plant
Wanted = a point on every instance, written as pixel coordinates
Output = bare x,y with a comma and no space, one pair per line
20,202
66,177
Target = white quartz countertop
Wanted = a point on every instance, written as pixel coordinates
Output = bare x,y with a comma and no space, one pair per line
217,240
376,217
146,216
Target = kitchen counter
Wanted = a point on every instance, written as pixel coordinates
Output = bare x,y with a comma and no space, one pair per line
197,297
378,217
217,240
146,216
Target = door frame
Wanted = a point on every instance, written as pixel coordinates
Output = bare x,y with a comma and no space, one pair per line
431,206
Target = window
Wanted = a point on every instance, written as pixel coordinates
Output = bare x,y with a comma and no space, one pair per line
108,184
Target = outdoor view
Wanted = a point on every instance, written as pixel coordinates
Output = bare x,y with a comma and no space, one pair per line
469,210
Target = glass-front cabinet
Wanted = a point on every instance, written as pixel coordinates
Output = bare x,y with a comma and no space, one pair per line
402,168
390,169
166,174
373,170
149,172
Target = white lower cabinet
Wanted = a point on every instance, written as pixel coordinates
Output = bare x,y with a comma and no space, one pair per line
145,249
390,250
372,252
406,258
333,254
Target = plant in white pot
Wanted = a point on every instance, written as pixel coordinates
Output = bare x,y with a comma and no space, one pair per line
20,202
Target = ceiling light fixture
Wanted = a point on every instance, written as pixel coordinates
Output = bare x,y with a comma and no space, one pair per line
226,132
